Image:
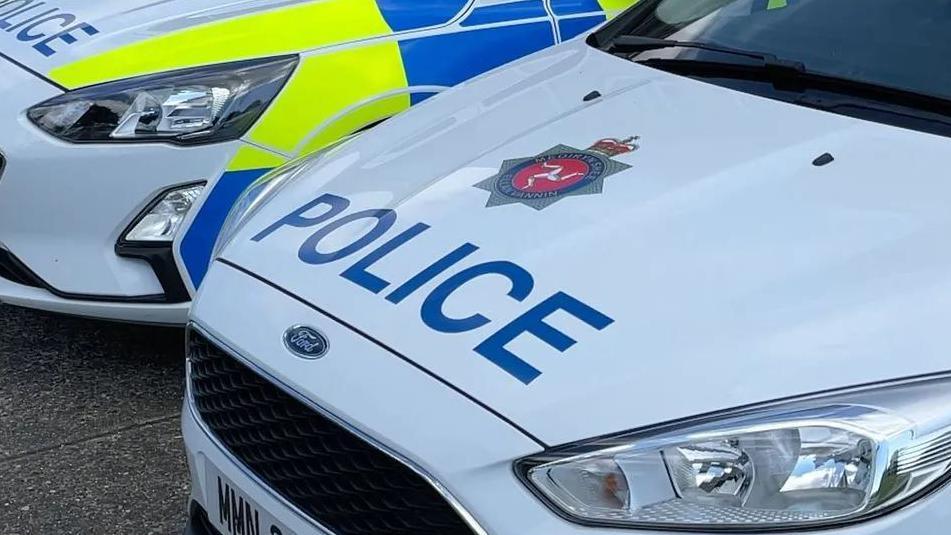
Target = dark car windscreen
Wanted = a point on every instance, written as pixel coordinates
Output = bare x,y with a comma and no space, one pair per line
904,44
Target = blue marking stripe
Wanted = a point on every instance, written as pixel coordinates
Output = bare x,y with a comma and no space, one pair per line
575,7
198,243
522,9
574,27
453,58
403,15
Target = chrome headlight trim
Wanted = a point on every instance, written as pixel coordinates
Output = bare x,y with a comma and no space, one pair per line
908,455
193,106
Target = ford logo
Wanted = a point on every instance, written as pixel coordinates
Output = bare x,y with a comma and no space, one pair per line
306,342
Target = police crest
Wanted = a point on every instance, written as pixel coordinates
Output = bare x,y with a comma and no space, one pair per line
559,172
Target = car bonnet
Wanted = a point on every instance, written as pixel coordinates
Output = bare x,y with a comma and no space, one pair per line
682,248
77,43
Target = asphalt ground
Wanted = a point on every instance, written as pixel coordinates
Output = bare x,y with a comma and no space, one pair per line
89,427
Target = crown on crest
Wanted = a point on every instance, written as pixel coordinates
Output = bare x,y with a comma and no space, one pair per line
614,147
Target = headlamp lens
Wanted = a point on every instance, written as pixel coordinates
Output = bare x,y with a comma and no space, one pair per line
804,464
202,105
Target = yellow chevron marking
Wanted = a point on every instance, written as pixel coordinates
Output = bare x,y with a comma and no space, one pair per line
279,31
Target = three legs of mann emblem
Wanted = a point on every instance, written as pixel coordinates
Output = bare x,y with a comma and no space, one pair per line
561,171
552,174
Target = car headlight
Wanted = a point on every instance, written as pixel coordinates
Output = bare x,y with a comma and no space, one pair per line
193,106
816,462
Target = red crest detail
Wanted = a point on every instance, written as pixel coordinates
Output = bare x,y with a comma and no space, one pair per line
552,175
613,147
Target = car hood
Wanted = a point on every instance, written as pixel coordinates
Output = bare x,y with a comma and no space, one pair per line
736,268
61,39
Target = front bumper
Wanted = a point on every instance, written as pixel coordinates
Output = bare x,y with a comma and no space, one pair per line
64,206
40,299
466,448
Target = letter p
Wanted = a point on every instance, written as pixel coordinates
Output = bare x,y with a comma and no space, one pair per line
298,218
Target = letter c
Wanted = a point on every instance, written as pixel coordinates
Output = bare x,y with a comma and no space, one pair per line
25,35
432,310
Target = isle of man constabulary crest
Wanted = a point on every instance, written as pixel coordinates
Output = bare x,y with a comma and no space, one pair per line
562,171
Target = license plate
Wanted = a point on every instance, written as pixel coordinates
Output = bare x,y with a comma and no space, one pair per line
233,513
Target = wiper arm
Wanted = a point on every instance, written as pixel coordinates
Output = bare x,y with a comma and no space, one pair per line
786,74
938,113
792,77
635,43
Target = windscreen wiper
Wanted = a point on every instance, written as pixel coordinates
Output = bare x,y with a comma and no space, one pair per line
784,74
634,43
923,116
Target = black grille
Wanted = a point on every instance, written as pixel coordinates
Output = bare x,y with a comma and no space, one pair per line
340,480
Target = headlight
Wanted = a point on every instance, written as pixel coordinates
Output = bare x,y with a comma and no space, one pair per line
805,464
193,106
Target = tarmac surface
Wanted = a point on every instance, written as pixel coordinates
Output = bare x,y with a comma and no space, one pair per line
89,427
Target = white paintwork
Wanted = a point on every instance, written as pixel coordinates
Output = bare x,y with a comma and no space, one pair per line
735,270
63,206
723,255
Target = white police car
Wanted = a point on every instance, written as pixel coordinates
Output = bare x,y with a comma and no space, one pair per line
129,127
689,274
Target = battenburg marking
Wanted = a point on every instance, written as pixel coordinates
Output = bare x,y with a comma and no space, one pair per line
562,171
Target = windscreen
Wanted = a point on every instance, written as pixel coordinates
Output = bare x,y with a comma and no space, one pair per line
897,43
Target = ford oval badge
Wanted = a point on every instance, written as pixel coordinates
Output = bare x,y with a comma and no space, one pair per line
306,342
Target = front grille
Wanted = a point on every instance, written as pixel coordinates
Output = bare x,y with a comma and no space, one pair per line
337,478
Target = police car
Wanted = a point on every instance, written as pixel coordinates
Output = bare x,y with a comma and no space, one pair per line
686,274
128,127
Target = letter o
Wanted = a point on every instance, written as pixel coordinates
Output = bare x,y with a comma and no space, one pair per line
308,250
